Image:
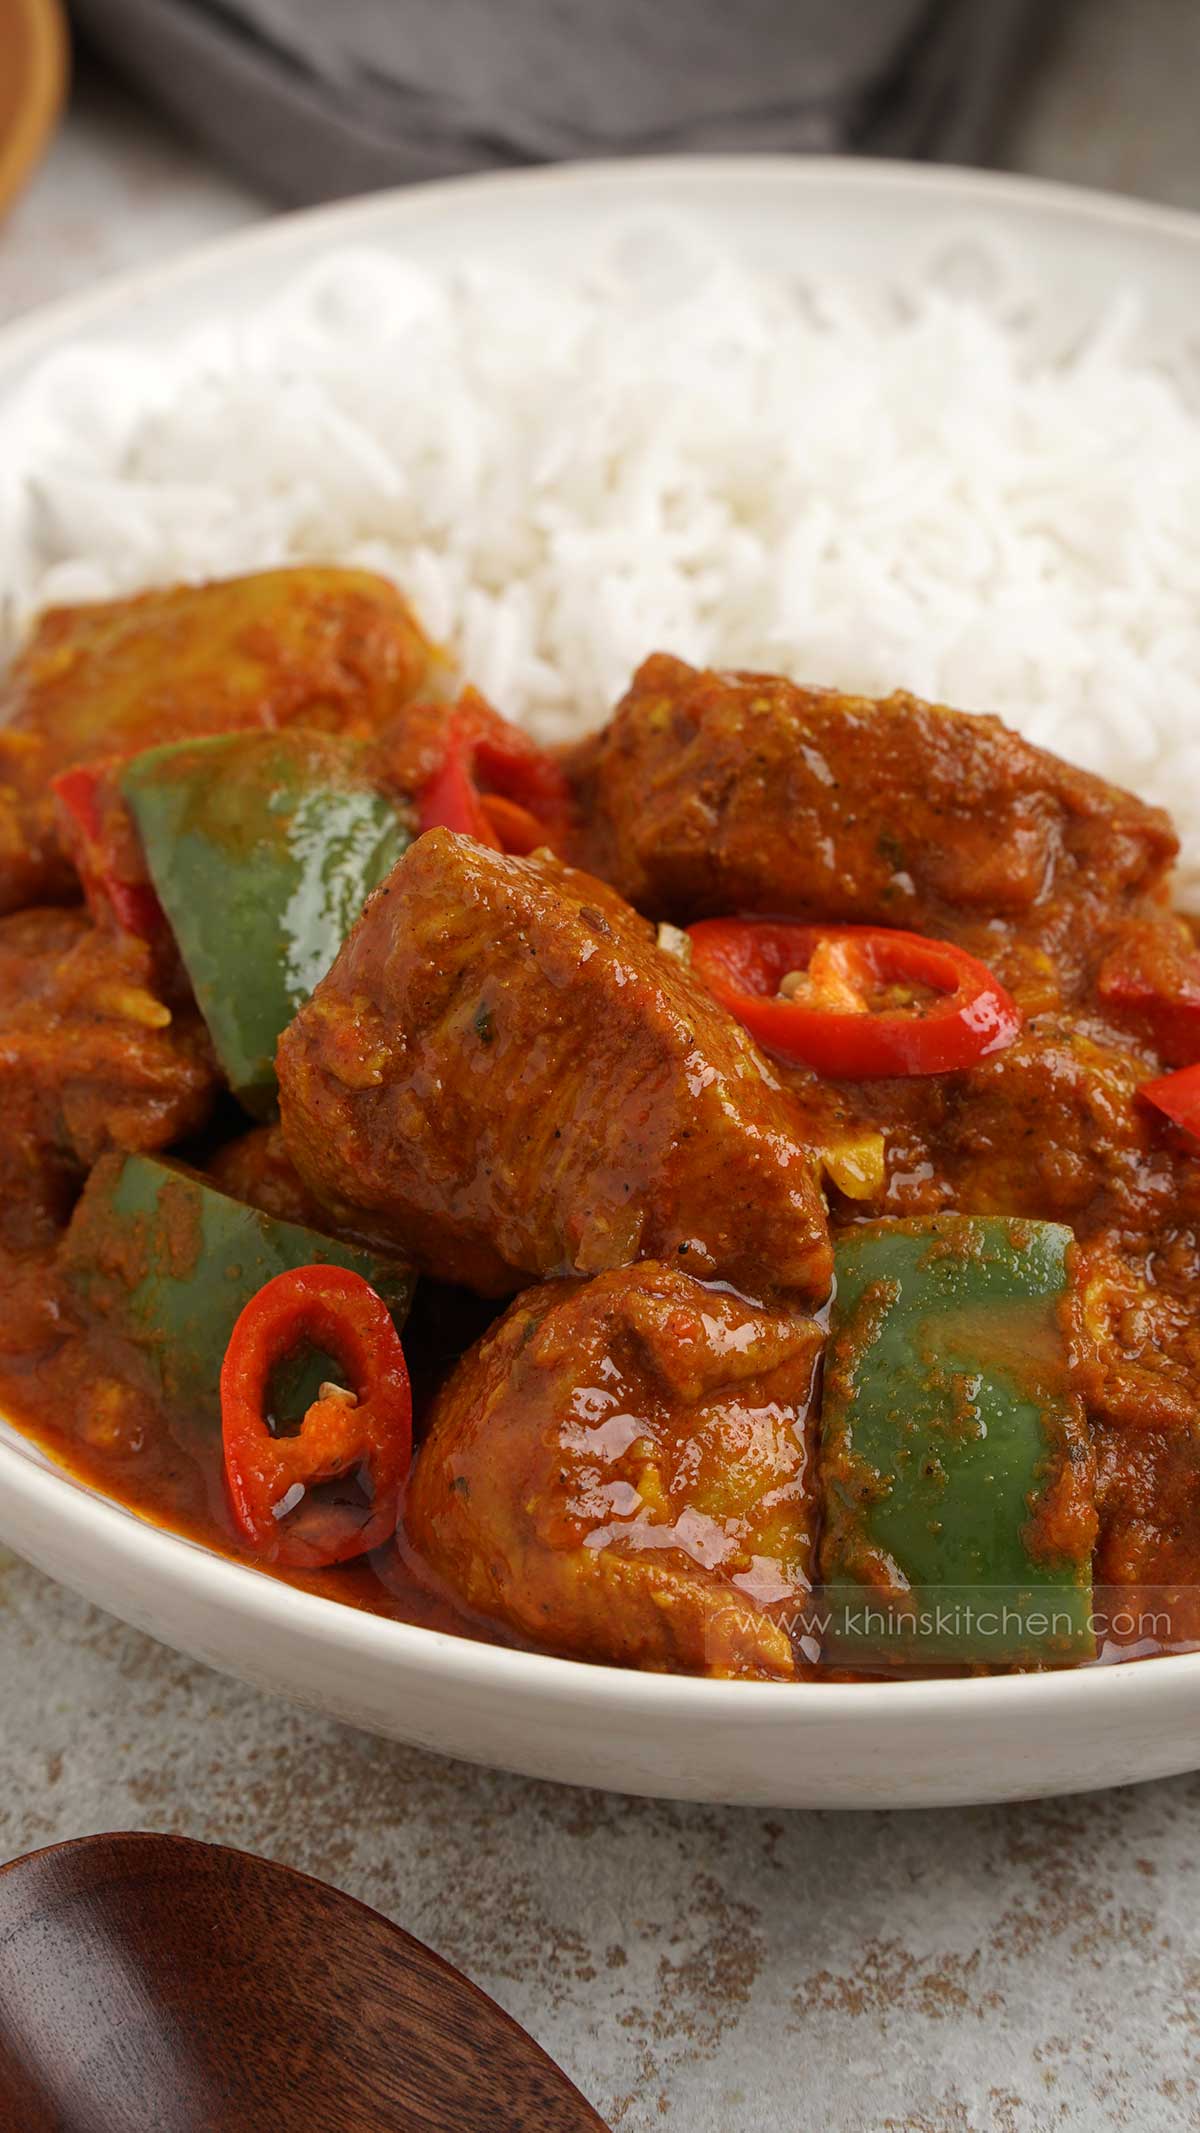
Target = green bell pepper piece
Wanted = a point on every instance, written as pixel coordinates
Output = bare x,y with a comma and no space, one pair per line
263,848
956,1466
159,1256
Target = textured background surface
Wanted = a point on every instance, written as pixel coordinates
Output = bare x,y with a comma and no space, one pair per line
1017,1970
696,1970
1114,106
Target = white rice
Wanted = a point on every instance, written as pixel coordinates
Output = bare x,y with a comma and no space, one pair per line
666,451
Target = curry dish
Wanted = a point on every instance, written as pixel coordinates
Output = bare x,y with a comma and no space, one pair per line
721,1197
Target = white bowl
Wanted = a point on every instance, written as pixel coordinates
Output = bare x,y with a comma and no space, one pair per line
853,1745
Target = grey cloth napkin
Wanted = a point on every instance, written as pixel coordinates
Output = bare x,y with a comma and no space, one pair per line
311,98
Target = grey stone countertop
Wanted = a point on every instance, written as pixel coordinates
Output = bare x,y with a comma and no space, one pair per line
1006,1970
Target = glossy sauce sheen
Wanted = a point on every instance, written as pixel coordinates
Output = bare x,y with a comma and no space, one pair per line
82,1395
506,1080
62,1396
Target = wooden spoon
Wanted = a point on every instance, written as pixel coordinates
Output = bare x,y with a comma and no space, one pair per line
156,1985
33,77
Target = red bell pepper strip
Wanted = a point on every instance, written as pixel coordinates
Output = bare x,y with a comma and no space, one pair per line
1151,981
512,826
495,784
102,842
367,1427
1177,1096
856,1002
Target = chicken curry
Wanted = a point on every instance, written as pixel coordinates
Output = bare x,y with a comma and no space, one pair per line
720,1196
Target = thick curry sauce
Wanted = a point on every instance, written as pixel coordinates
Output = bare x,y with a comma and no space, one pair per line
649,1427
83,1398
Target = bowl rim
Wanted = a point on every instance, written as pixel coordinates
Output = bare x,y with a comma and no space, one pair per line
275,235
31,1481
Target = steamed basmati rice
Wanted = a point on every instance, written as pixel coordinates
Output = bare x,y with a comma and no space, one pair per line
665,451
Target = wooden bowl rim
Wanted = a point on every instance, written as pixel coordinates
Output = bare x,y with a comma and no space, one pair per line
40,91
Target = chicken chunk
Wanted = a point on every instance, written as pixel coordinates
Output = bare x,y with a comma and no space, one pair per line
1148,1491
335,649
90,1057
711,793
1051,1127
622,1469
504,1077
257,1168
1147,1596
1136,1335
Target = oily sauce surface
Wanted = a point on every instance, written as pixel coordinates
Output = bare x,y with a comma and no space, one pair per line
707,794
83,1399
